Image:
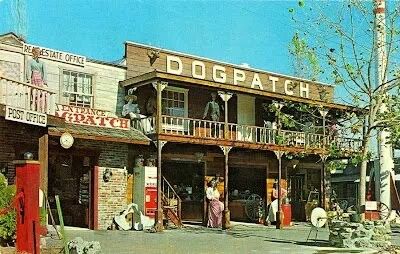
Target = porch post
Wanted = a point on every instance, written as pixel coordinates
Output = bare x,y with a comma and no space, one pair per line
159,86
44,161
226,218
279,214
225,96
323,113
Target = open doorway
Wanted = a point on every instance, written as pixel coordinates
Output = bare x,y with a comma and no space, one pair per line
71,178
187,178
243,183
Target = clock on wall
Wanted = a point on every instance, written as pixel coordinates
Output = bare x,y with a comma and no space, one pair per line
66,140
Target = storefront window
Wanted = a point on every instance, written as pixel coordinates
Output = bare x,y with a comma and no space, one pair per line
174,102
78,88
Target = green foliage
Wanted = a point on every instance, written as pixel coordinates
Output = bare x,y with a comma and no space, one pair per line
7,221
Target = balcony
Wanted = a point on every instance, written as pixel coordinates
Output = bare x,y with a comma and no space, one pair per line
203,129
25,96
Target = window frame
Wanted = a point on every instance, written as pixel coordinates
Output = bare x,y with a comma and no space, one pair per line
185,92
65,99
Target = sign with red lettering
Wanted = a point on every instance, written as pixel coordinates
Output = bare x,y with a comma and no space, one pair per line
92,117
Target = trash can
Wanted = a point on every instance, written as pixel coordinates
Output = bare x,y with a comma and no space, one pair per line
287,215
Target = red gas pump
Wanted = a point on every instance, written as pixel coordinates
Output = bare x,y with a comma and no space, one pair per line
27,206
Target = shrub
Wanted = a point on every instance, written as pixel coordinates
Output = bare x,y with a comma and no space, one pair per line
8,220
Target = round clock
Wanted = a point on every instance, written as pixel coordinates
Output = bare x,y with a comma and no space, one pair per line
66,140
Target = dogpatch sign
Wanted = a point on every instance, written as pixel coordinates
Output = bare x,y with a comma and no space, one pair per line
91,117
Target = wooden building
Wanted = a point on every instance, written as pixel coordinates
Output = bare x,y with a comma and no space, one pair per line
81,89
243,144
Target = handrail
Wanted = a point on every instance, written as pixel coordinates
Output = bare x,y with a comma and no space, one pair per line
29,85
184,126
170,193
26,96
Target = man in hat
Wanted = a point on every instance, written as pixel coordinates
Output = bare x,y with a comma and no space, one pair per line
131,109
213,107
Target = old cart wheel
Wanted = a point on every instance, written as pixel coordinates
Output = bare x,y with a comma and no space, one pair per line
384,211
254,206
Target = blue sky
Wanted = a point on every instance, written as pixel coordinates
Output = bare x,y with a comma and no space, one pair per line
253,32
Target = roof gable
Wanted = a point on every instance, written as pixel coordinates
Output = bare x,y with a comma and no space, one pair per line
11,39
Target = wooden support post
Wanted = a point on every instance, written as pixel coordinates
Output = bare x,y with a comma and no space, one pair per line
159,86
225,97
44,162
226,218
279,213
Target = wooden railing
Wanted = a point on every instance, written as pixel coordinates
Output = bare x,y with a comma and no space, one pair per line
26,96
171,198
197,128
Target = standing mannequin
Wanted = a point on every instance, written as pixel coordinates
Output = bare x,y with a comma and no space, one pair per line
36,71
36,75
213,107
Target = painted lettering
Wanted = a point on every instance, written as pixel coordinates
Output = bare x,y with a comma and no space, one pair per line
288,90
256,82
202,66
304,90
176,60
238,76
273,80
219,74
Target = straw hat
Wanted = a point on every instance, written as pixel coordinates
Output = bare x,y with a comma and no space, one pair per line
130,97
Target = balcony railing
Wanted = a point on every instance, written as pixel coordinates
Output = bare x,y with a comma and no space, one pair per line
26,96
196,128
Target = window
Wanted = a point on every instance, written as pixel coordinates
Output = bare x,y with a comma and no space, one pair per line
78,88
174,102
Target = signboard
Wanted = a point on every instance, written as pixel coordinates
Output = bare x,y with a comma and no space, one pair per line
230,75
91,117
26,116
55,55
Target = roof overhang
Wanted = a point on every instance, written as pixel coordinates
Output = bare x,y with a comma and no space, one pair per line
153,76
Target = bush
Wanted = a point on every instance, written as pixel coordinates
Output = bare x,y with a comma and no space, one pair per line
8,220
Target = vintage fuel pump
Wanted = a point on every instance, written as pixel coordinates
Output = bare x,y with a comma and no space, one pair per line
27,206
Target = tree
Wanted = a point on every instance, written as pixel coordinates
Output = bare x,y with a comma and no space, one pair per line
338,42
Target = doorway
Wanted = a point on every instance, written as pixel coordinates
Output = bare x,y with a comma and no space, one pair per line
71,178
187,178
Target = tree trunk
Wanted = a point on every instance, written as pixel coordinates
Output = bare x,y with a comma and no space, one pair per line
363,178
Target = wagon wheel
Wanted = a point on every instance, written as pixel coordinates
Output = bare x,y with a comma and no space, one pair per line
384,211
254,207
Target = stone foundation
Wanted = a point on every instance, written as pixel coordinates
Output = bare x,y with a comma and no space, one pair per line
368,234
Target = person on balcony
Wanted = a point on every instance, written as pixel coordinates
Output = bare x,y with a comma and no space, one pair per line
213,108
36,75
215,206
36,70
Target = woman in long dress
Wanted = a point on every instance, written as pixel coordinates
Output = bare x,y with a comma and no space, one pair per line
215,206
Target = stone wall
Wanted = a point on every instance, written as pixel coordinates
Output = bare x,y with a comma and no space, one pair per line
112,195
368,234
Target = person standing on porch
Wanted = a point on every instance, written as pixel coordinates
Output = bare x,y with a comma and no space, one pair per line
215,206
212,107
36,75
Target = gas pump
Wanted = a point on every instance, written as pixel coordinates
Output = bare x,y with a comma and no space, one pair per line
27,206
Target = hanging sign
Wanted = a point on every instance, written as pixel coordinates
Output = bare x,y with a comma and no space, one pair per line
26,116
55,55
92,117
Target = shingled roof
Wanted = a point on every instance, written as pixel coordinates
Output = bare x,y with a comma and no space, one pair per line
132,136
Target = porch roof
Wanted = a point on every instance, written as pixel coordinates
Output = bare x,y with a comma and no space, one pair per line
148,78
132,136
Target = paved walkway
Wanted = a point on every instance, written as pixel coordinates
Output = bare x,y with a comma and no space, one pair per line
242,238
